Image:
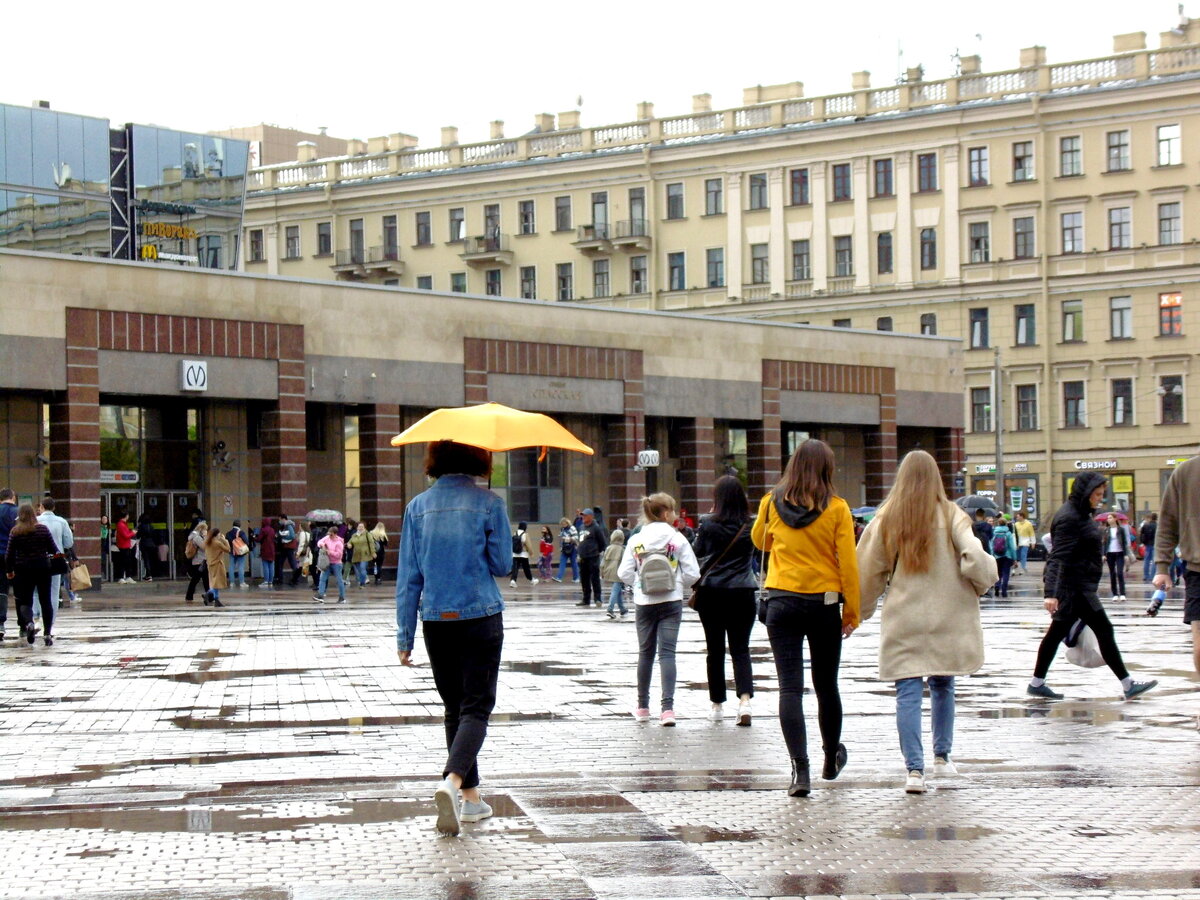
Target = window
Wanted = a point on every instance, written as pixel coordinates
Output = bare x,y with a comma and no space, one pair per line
883,323
928,248
491,225
979,234
209,250
526,218
801,261
1072,321
529,282
842,323
977,166
391,282
1120,317
424,282
1072,232
562,213
714,265
1023,238
391,238
1170,149
1122,401
758,191
1074,414
458,282
883,178
324,238
798,180
637,275
760,272
565,281
1170,314
675,200
841,182
1027,417
600,278
1170,391
256,245
927,172
1070,156
1170,226
979,328
981,409
1023,161
291,242
676,272
928,323
424,230
883,253
1120,228
1118,151
600,214
356,241
637,211
491,282
1025,324
843,256
458,219
714,196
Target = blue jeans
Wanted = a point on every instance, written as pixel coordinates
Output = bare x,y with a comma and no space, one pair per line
336,569
1148,565
360,569
908,718
268,569
1023,557
657,631
563,559
239,569
617,597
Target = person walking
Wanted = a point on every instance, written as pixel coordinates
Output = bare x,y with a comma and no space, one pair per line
215,547
1147,533
27,565
64,541
1179,527
725,594
568,544
1070,585
335,549
361,548
545,553
105,550
454,545
196,556
812,593
933,574
379,534
610,563
1004,549
1026,538
126,564
8,518
660,565
286,543
266,553
239,552
592,541
147,545
1116,549
523,549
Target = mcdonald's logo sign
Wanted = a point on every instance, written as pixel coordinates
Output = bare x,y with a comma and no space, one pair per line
149,251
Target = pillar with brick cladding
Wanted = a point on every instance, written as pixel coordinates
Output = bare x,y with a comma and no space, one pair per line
880,443
764,439
284,457
697,465
381,471
951,456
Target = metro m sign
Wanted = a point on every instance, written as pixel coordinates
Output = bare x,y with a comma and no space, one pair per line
193,375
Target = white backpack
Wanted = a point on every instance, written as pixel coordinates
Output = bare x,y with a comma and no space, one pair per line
657,575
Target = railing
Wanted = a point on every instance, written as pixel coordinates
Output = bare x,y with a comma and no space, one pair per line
354,257
1119,69
595,232
840,286
493,243
383,254
632,228
752,292
797,290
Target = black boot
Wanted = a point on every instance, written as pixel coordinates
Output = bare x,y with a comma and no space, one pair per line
834,762
800,784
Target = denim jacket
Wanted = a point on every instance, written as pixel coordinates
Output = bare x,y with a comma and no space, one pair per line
455,542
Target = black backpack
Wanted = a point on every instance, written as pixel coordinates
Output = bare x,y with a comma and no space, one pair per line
518,543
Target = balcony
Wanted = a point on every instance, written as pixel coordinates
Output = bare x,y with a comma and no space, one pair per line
632,234
350,265
487,250
593,238
385,260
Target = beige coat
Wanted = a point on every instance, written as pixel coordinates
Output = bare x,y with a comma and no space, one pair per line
214,558
931,620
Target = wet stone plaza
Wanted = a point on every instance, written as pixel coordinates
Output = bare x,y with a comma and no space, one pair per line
275,749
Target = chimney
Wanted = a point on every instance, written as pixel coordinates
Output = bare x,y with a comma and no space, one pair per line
701,103
449,135
306,151
401,141
645,110
355,147
1033,56
970,65
1125,43
377,144
496,129
568,120
543,122
43,104
860,81
914,75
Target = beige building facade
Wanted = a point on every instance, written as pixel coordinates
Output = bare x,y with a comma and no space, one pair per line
1047,212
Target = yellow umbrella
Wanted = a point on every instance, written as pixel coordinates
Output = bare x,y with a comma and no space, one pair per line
491,426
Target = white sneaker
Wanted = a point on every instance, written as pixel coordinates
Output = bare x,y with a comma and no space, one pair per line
943,767
512,583
535,581
915,783
743,717
716,713
445,798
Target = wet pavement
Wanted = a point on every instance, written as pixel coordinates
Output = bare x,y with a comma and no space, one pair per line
274,749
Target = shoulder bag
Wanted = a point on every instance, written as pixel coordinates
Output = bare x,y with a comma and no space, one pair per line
708,566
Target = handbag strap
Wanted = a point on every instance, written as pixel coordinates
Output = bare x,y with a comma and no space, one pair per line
708,567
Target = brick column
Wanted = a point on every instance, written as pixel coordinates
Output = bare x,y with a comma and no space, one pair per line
626,436
880,443
381,469
764,439
75,439
698,465
951,456
284,457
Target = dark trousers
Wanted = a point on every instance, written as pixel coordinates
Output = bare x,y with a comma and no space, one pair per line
124,564
465,657
199,573
3,595
149,560
286,553
29,579
727,613
1095,619
789,621
1004,567
522,563
589,575
1116,573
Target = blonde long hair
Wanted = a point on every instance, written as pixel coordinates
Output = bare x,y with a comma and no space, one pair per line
908,518
378,531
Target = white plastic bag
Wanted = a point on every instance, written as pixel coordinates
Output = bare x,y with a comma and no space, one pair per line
1082,647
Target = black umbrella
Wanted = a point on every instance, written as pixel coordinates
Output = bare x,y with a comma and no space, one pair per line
973,502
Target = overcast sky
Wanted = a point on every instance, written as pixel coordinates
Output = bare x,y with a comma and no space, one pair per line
369,68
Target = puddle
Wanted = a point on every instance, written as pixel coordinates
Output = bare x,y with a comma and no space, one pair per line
103,770
199,677
698,834
223,721
1085,716
944,833
549,667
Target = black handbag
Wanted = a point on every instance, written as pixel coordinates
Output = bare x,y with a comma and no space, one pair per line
58,564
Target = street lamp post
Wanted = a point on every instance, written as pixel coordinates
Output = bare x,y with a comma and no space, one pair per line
998,424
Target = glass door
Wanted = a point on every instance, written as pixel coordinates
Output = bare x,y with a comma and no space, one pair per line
158,505
183,507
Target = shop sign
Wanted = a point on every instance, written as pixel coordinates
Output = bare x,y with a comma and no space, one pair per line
193,375
985,469
1020,467
163,230
1122,484
1177,461
647,459
113,476
1085,465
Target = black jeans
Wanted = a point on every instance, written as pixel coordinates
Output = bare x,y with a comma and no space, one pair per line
789,621
289,554
1094,618
1116,573
29,579
727,612
522,563
465,657
1004,568
198,573
589,574
3,595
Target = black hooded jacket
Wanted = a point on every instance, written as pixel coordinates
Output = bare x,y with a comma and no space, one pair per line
733,570
1077,544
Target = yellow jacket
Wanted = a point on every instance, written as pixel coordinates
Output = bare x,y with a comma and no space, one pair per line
813,558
